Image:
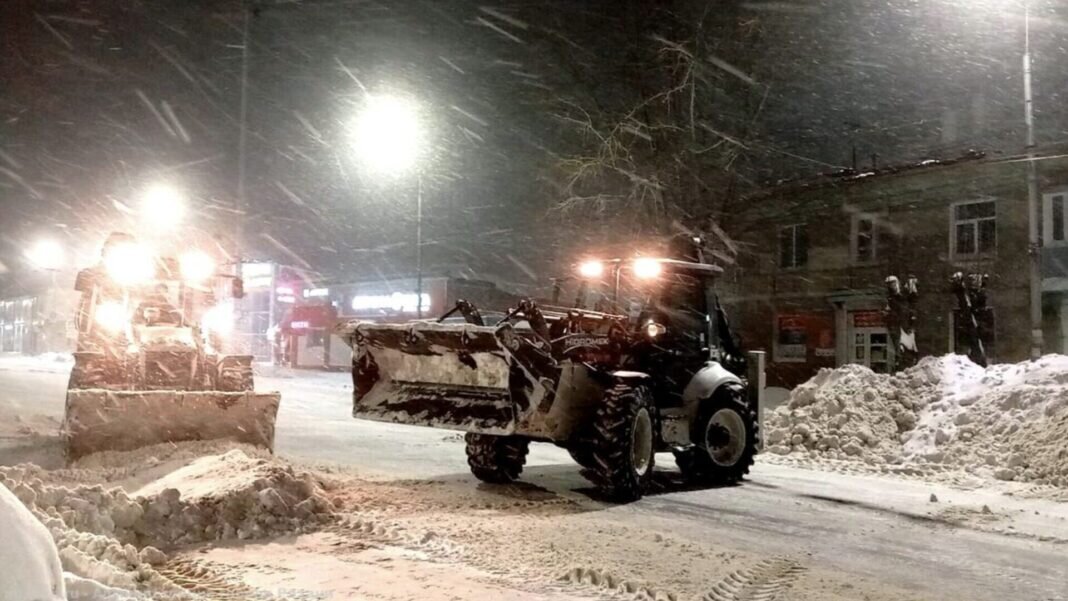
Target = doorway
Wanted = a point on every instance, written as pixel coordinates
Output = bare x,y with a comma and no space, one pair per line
871,347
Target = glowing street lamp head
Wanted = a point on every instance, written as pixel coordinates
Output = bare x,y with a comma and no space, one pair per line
162,206
647,269
46,254
591,269
387,134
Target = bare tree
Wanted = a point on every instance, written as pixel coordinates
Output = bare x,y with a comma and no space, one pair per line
676,150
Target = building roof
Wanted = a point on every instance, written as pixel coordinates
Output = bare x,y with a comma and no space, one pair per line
852,176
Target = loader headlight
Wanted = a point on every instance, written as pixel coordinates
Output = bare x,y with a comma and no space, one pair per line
196,266
129,264
219,319
111,316
591,269
647,269
653,329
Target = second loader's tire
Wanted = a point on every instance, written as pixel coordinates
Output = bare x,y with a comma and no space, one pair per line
726,437
622,445
496,459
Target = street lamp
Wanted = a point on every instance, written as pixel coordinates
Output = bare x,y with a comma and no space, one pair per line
162,206
388,138
387,134
46,255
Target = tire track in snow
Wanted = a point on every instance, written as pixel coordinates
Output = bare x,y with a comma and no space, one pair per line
207,580
765,581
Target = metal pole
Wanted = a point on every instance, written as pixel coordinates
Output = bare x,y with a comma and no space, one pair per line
1035,242
419,244
239,201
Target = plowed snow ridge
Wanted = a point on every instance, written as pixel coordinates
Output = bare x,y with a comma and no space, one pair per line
113,538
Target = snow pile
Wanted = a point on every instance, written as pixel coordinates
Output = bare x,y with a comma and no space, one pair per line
31,569
113,538
847,412
1009,421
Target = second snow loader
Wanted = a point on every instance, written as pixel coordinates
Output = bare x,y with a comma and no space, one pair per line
655,369
149,365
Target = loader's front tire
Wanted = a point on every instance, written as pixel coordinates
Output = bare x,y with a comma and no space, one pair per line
496,459
726,437
622,446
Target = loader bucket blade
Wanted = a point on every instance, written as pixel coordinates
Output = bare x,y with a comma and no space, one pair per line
108,420
454,376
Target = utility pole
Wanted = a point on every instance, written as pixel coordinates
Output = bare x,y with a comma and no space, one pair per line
1035,242
419,244
239,200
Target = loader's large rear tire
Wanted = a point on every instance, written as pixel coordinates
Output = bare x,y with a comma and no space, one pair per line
496,459
622,445
726,437
583,455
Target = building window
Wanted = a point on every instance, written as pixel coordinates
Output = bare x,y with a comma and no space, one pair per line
1053,219
865,239
793,246
974,228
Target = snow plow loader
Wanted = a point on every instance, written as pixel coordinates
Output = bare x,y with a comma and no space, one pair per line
653,369
149,365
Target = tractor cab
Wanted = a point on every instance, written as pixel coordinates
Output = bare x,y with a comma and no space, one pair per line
670,303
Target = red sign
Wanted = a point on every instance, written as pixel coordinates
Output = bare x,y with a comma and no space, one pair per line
869,319
305,317
799,332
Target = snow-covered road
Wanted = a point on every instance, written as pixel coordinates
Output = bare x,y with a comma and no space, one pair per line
884,536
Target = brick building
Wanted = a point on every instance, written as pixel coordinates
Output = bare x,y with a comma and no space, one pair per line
814,255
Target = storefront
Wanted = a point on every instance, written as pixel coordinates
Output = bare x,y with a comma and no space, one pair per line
843,329
16,325
271,290
309,341
38,324
869,340
861,330
804,337
305,336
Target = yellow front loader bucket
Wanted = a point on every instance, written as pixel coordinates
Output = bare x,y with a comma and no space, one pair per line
120,420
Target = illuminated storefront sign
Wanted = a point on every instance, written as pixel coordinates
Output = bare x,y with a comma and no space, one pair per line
401,302
316,292
257,275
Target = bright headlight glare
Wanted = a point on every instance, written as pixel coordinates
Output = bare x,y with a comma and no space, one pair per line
111,316
196,266
646,269
591,269
653,329
219,319
129,264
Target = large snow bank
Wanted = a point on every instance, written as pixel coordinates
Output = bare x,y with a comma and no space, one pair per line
29,563
114,538
1009,420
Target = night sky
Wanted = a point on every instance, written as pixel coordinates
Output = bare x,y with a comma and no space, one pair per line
101,99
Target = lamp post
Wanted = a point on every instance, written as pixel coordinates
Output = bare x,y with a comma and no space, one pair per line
388,138
1035,242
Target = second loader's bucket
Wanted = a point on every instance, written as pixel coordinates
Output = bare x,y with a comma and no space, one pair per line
109,420
455,376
